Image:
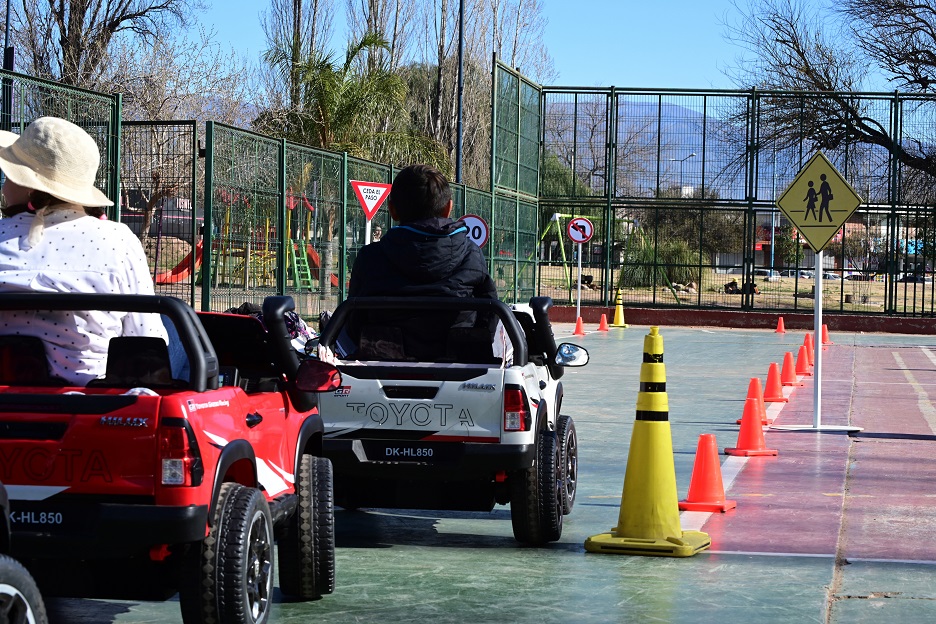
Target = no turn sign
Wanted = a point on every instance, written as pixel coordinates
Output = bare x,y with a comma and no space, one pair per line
580,230
477,229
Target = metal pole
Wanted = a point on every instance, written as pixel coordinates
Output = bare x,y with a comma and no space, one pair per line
6,30
773,212
817,344
578,297
461,52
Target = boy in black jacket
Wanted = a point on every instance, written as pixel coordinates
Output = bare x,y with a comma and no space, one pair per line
426,255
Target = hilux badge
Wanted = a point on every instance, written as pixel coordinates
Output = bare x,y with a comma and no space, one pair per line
483,387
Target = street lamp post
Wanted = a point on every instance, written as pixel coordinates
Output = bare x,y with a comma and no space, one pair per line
682,161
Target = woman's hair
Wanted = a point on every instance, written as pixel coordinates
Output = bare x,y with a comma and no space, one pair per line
40,199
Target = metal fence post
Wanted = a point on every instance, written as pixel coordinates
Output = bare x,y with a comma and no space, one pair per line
343,231
281,220
208,243
114,157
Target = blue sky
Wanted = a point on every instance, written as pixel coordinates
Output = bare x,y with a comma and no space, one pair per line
625,43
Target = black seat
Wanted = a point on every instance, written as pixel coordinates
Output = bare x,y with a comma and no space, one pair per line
134,361
243,344
23,362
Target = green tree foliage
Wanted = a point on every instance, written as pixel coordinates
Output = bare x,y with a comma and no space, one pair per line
348,106
693,221
788,248
678,261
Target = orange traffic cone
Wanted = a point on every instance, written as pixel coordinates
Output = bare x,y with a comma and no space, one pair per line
810,348
788,373
825,335
802,362
603,323
579,328
773,392
751,436
706,490
780,329
754,392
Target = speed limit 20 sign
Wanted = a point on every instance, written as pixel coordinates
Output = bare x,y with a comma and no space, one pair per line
477,229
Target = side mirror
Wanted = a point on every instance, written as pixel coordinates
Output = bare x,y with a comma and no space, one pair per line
569,354
317,376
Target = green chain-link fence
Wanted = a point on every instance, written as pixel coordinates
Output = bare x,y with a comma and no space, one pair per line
23,99
681,187
679,184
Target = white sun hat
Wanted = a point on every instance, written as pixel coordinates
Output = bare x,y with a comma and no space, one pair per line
54,156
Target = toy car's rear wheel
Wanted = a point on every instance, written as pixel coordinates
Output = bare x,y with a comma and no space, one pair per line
230,575
536,495
20,601
307,546
568,441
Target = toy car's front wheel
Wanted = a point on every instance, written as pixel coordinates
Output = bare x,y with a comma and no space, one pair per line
568,443
307,546
230,574
537,493
19,597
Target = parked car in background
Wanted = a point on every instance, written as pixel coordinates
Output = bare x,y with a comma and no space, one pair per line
831,276
801,273
767,275
915,278
172,216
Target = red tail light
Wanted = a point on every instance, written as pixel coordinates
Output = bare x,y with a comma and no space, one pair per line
179,459
516,412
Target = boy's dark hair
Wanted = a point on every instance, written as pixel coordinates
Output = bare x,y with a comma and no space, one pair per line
419,192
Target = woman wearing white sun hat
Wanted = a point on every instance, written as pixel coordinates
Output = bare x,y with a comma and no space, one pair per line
54,246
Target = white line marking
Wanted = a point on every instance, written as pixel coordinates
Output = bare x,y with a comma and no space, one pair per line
923,401
731,468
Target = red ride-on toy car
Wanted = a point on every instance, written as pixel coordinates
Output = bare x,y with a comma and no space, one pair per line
142,484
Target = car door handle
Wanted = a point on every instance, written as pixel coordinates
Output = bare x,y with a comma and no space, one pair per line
254,419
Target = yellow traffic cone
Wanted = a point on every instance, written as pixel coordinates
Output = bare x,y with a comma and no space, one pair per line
618,311
648,523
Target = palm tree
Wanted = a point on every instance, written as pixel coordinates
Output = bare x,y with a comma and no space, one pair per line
349,107
352,107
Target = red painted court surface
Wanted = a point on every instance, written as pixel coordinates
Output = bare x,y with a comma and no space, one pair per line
836,529
866,495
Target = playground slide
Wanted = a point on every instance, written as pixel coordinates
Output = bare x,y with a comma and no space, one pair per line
315,263
183,270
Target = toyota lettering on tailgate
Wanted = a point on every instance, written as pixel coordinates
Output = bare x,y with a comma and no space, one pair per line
420,414
39,465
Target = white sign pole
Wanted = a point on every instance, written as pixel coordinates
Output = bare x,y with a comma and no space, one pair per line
817,344
578,299
367,232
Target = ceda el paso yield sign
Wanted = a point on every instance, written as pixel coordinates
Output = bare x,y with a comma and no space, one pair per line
371,195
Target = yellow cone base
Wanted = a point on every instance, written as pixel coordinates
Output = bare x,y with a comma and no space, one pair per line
690,543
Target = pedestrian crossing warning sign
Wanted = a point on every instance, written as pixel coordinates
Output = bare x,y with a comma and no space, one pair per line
818,202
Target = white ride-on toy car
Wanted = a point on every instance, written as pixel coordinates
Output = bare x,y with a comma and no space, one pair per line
429,415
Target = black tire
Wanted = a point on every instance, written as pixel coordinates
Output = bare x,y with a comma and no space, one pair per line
229,577
568,442
307,546
536,496
20,601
